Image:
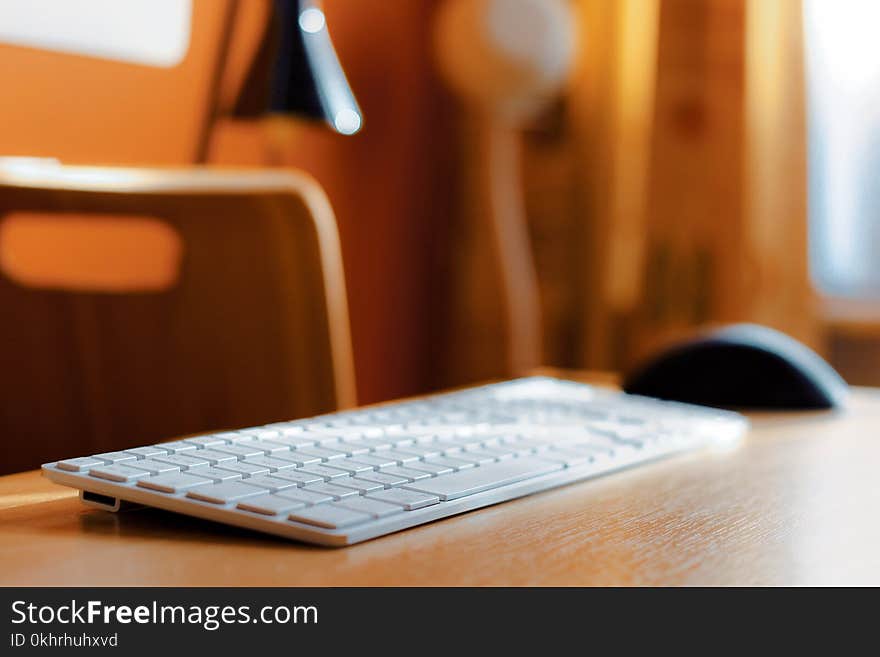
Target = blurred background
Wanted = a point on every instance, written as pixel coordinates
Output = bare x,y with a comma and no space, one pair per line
677,163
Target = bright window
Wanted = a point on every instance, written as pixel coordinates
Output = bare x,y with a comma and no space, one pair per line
148,32
843,80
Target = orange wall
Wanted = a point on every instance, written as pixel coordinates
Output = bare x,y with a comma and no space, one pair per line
86,110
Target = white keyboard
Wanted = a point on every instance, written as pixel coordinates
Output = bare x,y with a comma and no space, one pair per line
346,477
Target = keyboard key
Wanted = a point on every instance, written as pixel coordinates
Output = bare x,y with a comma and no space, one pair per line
227,437
354,448
376,444
260,433
403,440
478,456
213,456
420,440
422,450
324,471
486,477
228,491
298,477
351,466
216,474
489,440
471,442
207,441
598,448
384,478
570,456
303,495
434,469
177,446
448,448
499,453
174,483
330,516
372,507
605,432
147,452
449,462
294,441
525,446
408,499
243,468
241,450
272,484
419,429
614,430
338,492
271,447
290,428
269,462
300,459
153,467
80,464
412,474
350,431
317,438
269,505
115,457
324,453
400,456
184,461
376,459
320,425
387,418
118,472
362,486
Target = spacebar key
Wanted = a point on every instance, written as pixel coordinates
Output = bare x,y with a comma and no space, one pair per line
484,477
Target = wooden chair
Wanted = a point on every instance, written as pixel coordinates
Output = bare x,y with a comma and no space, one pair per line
141,304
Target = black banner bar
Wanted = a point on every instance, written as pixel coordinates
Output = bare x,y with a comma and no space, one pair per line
392,621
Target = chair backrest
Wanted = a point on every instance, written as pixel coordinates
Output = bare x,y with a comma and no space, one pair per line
142,304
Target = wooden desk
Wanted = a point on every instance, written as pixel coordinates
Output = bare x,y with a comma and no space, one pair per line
797,503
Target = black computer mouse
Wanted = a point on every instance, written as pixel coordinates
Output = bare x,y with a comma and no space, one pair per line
741,366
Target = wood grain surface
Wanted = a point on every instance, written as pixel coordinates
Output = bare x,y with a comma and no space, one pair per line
795,503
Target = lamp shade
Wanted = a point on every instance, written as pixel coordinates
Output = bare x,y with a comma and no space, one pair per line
297,71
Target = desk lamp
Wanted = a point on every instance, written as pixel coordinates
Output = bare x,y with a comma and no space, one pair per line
297,71
507,60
